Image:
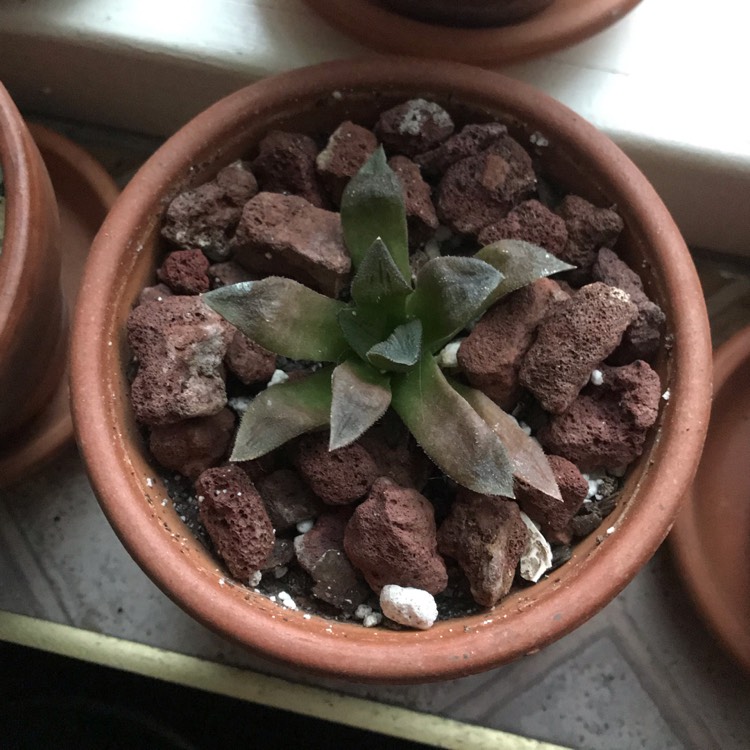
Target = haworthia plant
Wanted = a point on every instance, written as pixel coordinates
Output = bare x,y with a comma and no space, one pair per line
383,342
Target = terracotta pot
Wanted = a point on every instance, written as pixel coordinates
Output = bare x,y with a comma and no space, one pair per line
33,324
469,12
316,99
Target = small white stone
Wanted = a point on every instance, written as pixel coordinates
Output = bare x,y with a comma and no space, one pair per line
239,404
372,620
304,526
306,617
666,395
362,611
149,482
536,559
164,502
610,530
432,249
286,600
447,358
279,376
337,95
254,579
597,377
221,581
538,139
524,427
408,606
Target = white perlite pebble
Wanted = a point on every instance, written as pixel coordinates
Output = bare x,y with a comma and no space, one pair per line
414,608
597,377
666,395
372,620
538,139
240,404
255,579
286,600
362,611
279,376
304,526
447,358
536,559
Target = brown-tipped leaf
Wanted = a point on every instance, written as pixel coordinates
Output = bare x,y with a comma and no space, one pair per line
451,433
530,465
400,351
283,316
450,292
361,396
283,412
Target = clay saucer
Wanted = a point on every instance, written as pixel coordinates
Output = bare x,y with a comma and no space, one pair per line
562,24
84,193
711,538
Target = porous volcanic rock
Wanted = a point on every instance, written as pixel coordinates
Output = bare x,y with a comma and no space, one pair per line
288,499
249,361
530,221
391,539
421,218
236,520
180,344
414,127
469,142
348,148
285,235
486,537
185,272
572,341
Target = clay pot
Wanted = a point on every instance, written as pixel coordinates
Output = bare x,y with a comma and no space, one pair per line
122,262
33,324
470,13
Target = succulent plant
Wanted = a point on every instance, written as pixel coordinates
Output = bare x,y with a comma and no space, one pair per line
380,346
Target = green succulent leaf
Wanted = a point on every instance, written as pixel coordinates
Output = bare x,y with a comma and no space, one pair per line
401,350
521,263
361,396
450,292
283,412
530,465
379,284
361,331
450,431
372,206
283,316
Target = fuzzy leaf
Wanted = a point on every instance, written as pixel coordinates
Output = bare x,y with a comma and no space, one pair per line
361,396
530,465
401,350
379,284
451,433
521,263
283,412
361,331
450,292
372,206
284,316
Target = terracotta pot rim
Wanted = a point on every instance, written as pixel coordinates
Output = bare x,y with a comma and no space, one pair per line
323,646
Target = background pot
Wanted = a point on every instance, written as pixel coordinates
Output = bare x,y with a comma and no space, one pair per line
317,99
33,324
468,12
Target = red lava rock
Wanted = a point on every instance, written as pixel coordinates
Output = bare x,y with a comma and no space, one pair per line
401,460
185,272
491,355
530,221
286,236
156,293
482,189
391,538
641,339
288,499
206,216
606,426
469,142
589,228
249,361
414,127
320,552
180,344
486,536
572,341
420,213
286,164
194,445
235,519
228,273
347,150
547,511
336,477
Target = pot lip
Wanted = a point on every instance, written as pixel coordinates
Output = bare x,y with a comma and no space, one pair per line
719,607
323,647
561,24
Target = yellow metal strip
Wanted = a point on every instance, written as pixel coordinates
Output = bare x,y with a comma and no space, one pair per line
257,688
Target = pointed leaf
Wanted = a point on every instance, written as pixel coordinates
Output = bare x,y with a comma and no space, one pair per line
401,350
379,284
283,412
372,206
450,292
361,331
361,396
283,316
521,263
452,434
530,464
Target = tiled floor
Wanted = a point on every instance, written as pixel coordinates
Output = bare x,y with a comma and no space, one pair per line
643,673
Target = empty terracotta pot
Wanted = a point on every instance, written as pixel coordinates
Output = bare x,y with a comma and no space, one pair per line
125,478
469,12
33,325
